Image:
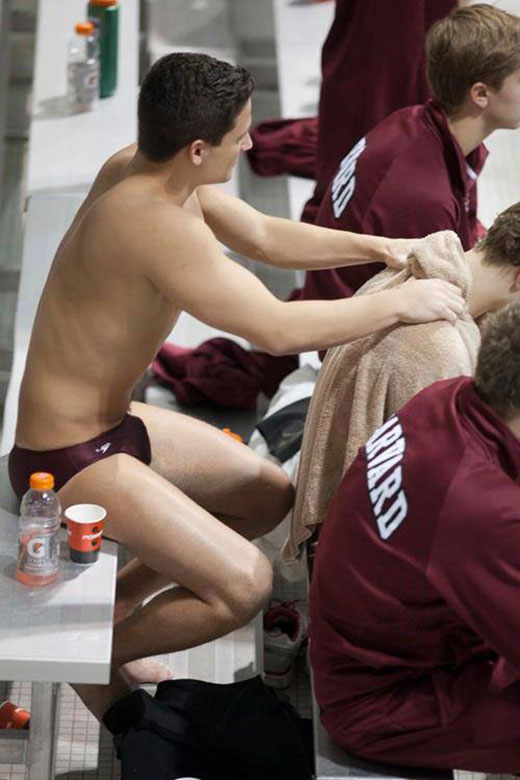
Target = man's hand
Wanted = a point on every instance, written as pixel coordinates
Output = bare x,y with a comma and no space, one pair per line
425,300
397,251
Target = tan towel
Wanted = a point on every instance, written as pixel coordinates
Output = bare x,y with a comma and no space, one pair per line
362,383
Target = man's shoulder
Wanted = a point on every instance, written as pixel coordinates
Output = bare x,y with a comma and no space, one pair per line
113,169
406,156
414,169
406,359
439,349
403,134
439,335
141,209
397,173
144,228
478,475
407,355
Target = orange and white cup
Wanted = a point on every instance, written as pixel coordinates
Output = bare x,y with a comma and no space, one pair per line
13,717
85,523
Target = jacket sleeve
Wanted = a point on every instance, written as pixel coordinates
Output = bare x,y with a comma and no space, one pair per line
475,560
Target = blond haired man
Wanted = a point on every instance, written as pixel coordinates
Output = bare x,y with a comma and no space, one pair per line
416,172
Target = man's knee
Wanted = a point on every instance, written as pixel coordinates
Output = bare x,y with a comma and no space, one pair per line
276,494
248,589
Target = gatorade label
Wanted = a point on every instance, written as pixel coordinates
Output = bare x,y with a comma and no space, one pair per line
38,554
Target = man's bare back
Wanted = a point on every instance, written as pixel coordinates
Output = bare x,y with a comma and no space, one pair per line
100,320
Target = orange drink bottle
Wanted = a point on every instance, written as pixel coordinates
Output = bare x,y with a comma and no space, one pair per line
40,519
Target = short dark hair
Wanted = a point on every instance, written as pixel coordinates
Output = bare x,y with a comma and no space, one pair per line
497,377
187,96
477,43
501,243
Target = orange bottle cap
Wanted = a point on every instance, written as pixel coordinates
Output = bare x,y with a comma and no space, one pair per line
40,480
103,3
85,28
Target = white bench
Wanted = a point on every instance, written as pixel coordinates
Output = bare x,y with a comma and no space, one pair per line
60,633
47,219
332,762
5,10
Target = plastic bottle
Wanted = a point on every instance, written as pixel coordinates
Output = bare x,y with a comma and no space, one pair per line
40,519
105,15
83,68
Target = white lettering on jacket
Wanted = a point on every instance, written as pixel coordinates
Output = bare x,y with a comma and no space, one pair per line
385,451
344,182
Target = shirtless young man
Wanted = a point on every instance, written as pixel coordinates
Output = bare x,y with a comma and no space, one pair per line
144,246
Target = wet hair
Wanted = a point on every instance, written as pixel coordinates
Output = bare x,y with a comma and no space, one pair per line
497,377
477,43
188,96
501,243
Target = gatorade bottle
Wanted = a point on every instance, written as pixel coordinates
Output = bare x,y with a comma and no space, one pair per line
83,68
40,519
105,15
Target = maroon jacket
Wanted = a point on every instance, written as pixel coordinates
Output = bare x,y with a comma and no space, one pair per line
417,573
406,179
373,63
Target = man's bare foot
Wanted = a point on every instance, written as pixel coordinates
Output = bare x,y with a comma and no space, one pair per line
145,670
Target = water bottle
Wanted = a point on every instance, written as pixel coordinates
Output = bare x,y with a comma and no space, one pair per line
105,15
40,519
83,68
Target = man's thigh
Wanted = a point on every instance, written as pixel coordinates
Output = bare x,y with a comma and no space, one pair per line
163,527
216,471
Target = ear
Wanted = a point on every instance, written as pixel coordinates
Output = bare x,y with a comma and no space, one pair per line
479,94
197,151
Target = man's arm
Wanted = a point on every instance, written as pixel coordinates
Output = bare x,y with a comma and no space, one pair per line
183,260
288,244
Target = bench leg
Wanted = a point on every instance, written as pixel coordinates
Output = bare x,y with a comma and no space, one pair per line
43,731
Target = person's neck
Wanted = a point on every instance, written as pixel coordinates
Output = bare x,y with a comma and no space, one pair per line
172,176
489,286
469,129
514,425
